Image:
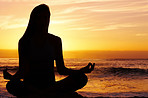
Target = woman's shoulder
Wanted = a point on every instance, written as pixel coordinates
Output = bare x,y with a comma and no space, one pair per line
21,40
54,37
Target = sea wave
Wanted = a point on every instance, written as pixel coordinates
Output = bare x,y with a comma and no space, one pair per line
122,71
131,59
13,68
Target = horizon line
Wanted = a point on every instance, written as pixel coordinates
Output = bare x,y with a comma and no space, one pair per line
85,50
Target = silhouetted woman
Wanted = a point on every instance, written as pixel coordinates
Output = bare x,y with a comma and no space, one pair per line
37,51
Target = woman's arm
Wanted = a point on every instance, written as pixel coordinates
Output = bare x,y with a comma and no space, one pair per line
23,60
61,67
19,73
60,62
23,63
8,76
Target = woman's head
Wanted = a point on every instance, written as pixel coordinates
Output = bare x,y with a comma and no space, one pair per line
39,20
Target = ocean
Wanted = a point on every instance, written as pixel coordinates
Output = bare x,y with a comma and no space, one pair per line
110,78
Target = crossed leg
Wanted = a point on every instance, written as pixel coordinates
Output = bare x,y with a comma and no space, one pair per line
67,85
71,83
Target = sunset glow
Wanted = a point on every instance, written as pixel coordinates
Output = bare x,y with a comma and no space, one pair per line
82,24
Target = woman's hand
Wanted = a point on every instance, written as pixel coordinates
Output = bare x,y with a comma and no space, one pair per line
6,74
88,69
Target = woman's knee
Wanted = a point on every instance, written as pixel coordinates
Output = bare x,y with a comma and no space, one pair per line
83,79
15,87
80,79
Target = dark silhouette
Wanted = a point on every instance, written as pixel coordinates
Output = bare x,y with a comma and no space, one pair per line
37,51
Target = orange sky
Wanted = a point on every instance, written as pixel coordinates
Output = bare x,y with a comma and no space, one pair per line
82,24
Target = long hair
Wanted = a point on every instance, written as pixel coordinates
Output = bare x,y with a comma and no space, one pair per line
38,25
39,21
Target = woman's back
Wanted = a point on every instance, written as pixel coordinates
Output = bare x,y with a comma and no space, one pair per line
41,53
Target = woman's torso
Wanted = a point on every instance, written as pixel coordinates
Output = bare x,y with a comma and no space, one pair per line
41,56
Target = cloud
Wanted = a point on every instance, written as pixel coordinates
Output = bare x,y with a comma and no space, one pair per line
66,2
107,11
56,2
65,21
108,6
114,27
18,0
97,13
104,28
4,20
72,9
9,22
124,14
82,28
61,21
141,34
